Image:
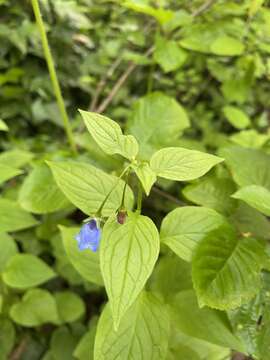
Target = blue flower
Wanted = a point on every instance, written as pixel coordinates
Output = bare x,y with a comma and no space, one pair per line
89,236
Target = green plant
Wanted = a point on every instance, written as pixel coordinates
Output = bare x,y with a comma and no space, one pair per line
176,191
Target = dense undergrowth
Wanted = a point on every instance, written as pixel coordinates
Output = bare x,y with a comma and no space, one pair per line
188,83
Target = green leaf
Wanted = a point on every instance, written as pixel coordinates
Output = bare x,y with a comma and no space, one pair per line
7,337
227,46
205,324
161,15
36,308
85,348
7,172
212,192
108,135
180,164
17,158
254,7
149,122
40,194
250,221
8,248
63,343
168,54
249,139
240,162
25,271
226,269
236,117
70,306
127,257
183,228
13,217
171,275
85,262
3,126
146,175
255,196
143,332
86,187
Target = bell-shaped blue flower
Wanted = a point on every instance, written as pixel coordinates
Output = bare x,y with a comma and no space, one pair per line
89,236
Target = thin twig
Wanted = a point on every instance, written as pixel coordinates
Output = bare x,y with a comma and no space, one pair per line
19,350
103,81
120,83
204,7
167,196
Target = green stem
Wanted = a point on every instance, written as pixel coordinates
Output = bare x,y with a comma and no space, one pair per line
53,75
99,212
139,198
124,191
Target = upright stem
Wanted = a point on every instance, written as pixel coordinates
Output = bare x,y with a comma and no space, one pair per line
53,75
99,212
139,198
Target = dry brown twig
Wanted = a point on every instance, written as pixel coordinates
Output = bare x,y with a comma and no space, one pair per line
19,349
101,108
204,7
102,83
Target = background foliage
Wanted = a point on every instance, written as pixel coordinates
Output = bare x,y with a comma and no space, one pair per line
189,74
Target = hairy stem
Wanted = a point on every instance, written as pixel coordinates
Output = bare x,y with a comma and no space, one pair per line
53,75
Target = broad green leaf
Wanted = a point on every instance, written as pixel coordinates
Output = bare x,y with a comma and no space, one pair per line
86,187
255,196
245,320
85,262
108,135
236,117
7,337
161,15
226,269
70,306
149,122
8,248
249,221
180,164
7,172
127,257
3,126
227,46
85,348
146,175
13,217
63,343
212,192
248,166
171,275
205,324
199,37
183,228
194,347
16,158
169,55
143,332
39,193
36,308
249,139
25,270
